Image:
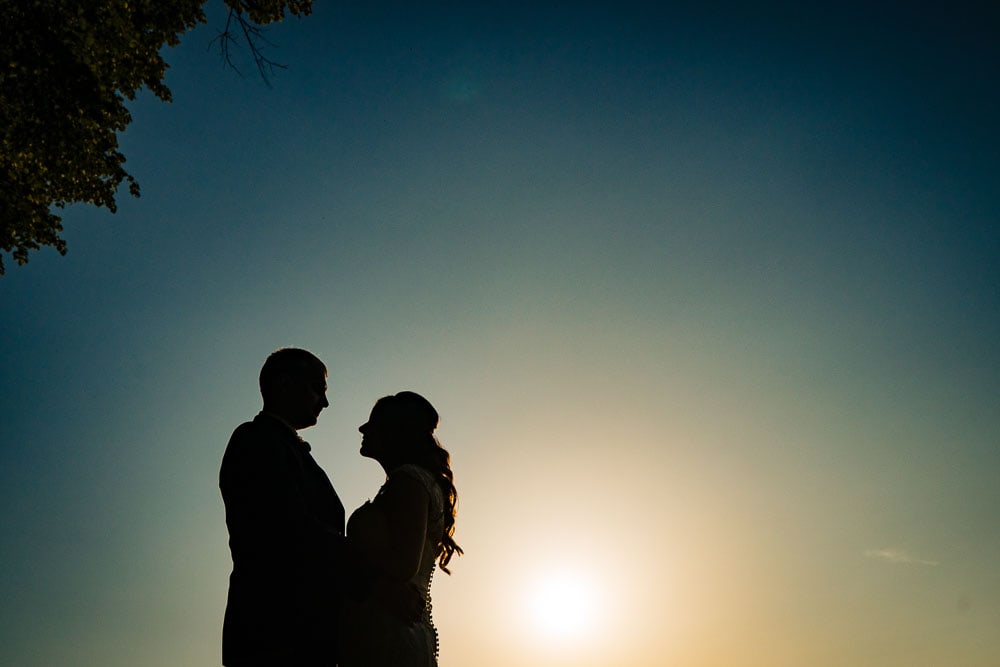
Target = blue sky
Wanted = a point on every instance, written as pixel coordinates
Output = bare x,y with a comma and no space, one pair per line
707,298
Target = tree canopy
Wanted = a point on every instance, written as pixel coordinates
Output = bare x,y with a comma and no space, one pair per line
67,69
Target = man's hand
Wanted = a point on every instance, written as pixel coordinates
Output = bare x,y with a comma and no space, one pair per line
403,600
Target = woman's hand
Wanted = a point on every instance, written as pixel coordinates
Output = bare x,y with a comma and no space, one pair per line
404,601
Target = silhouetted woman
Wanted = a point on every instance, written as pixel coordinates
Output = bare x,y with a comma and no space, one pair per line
405,531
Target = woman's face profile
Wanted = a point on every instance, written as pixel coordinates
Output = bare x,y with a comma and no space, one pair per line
375,434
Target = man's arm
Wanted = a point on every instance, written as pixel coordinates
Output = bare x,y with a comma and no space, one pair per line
265,509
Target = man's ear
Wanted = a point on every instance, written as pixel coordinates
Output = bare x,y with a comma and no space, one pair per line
283,381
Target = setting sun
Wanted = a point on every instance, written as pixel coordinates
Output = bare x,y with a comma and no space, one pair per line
563,605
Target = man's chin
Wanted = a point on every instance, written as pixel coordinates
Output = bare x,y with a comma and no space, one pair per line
306,423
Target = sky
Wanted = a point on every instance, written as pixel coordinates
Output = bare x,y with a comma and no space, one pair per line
707,297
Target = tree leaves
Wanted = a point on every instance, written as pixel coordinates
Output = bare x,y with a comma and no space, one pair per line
66,71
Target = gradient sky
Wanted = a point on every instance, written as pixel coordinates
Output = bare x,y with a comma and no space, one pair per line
708,299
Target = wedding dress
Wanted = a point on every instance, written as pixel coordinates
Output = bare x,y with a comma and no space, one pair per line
372,637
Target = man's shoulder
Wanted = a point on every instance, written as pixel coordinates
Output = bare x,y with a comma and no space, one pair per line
262,427
249,431
250,427
255,447
254,438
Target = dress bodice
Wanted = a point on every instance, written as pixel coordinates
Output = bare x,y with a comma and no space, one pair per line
370,637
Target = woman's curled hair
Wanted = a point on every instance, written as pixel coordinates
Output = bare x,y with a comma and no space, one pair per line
418,420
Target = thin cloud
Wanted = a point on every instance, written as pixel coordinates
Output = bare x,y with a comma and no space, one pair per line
898,557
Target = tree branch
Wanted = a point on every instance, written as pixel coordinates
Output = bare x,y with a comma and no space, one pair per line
253,36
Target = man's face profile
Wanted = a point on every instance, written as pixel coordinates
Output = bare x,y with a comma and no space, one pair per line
303,396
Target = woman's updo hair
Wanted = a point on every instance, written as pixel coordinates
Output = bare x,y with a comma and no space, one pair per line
413,420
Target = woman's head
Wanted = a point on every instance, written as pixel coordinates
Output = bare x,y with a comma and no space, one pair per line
401,430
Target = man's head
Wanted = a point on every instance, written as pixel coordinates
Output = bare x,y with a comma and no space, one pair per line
293,385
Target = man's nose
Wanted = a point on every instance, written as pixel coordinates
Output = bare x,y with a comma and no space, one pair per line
326,403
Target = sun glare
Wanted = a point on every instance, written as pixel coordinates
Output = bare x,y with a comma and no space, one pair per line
563,605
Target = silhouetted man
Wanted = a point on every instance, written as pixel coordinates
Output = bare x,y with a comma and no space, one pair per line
286,526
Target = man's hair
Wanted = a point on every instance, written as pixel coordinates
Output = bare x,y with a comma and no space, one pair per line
286,361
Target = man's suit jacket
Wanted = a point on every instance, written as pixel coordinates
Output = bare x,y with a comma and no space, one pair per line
286,527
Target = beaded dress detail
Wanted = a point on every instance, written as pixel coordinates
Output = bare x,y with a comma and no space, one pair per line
370,636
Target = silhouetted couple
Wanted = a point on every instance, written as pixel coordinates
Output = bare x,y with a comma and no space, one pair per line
302,593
